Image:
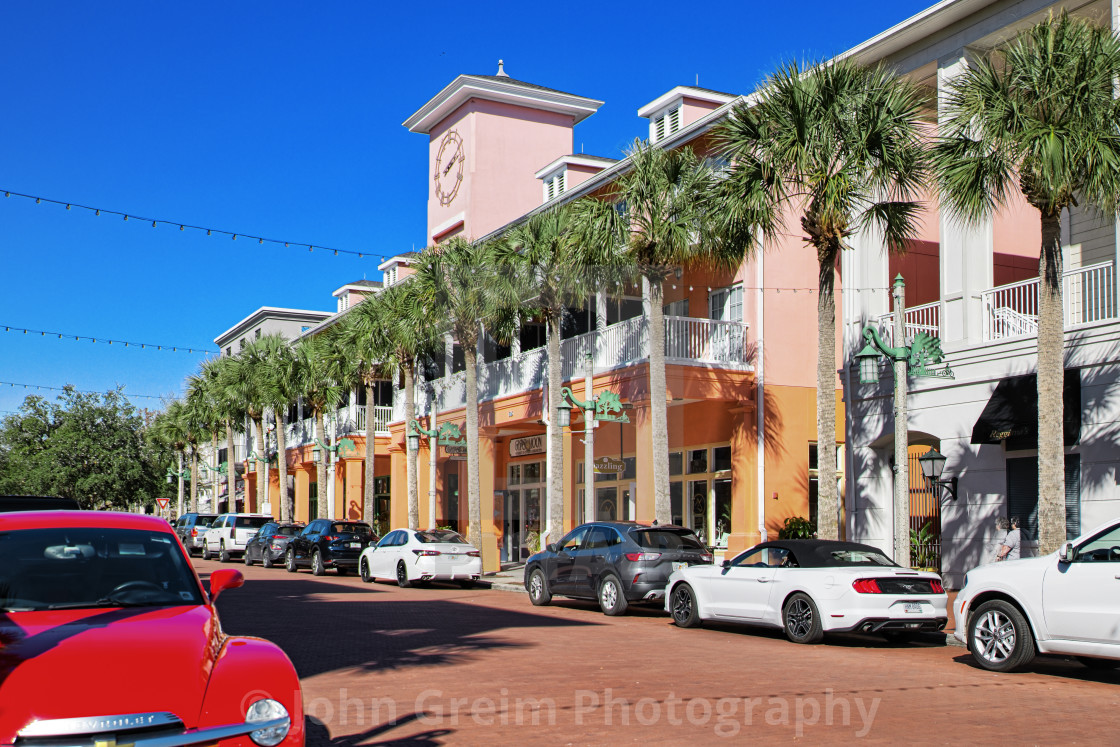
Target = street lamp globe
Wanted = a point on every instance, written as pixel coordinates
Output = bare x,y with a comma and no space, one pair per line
868,364
564,414
933,464
316,454
414,442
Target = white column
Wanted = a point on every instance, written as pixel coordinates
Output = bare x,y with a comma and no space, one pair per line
966,249
1115,8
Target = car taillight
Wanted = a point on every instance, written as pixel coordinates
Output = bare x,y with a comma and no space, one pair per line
427,553
332,537
707,558
936,587
867,586
639,556
194,532
473,553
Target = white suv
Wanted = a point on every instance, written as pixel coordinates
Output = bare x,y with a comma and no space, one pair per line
229,533
1064,603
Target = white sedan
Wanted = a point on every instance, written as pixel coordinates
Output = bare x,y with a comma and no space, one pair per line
809,588
411,556
1067,602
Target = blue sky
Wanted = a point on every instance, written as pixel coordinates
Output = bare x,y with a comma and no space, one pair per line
283,119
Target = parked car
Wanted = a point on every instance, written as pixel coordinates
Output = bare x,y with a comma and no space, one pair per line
809,588
229,533
615,562
114,595
1066,602
191,528
269,543
37,503
410,556
328,543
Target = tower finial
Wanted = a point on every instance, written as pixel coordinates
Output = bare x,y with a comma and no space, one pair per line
501,69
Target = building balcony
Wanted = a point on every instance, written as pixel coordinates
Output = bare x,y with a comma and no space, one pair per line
1011,311
688,341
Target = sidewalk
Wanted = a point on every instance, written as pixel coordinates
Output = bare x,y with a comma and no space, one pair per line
510,578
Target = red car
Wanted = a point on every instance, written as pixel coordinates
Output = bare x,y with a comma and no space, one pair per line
108,638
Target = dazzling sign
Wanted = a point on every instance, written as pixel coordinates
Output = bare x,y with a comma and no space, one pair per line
609,464
519,447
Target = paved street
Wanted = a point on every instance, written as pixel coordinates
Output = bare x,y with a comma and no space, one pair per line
441,665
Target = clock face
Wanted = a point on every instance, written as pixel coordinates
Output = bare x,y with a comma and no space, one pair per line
449,167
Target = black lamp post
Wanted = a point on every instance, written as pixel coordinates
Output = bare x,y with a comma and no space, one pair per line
933,465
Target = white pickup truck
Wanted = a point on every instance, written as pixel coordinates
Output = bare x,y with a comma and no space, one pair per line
229,533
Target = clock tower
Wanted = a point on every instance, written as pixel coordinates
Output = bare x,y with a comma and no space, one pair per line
488,135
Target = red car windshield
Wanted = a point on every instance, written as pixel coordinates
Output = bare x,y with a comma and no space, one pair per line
70,568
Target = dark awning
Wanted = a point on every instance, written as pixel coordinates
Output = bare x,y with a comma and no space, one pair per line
1012,412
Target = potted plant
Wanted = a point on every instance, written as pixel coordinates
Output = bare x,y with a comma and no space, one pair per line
923,553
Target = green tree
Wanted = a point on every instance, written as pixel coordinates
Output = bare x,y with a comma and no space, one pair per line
1042,112
279,390
245,380
840,143
229,409
317,382
666,217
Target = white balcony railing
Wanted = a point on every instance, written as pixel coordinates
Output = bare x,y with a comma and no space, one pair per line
1089,295
925,318
382,416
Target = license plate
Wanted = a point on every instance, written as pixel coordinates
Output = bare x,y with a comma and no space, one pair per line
912,608
353,544
678,566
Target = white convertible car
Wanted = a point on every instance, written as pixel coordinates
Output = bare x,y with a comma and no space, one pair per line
417,556
1067,602
809,588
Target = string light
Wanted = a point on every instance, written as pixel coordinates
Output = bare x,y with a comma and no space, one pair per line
184,226
126,343
79,391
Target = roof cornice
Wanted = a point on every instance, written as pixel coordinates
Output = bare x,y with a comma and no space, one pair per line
682,92
270,312
466,87
594,162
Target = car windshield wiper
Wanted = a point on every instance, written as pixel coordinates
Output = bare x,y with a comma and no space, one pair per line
108,601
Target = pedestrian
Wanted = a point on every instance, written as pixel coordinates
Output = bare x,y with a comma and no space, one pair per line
1009,547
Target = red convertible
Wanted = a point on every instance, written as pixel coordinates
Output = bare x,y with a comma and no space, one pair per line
107,637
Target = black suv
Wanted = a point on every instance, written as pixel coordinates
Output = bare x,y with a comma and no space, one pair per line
268,544
191,528
329,543
615,562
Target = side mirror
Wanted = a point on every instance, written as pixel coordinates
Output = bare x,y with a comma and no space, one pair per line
227,578
725,564
1066,553
552,547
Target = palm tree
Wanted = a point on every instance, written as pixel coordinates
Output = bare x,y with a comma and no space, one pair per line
169,429
278,392
202,400
229,410
244,380
1041,112
548,261
318,384
399,317
454,281
841,143
664,216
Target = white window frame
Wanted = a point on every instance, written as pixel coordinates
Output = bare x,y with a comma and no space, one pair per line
730,299
666,122
554,184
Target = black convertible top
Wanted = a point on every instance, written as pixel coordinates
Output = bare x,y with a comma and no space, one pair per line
818,553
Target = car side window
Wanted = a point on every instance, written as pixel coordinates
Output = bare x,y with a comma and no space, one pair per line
573,540
763,557
599,538
1105,547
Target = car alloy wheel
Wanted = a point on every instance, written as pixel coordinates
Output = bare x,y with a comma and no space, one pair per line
317,567
245,558
611,599
802,622
402,575
266,559
223,554
538,589
999,637
206,551
363,570
290,561
682,603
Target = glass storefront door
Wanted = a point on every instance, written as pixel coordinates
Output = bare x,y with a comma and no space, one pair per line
523,508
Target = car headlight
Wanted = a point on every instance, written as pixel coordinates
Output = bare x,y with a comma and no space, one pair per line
263,711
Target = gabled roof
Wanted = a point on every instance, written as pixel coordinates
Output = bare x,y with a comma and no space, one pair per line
719,98
302,316
576,159
499,88
359,285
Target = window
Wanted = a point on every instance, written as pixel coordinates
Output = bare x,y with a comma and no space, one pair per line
676,308
601,538
458,360
676,463
814,489
765,557
726,304
663,539
554,186
697,461
573,540
721,458
619,309
390,276
229,350
1101,548
257,334
1022,495
249,522
665,124
241,344
533,335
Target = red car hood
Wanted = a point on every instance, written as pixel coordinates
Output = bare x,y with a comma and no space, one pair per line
101,662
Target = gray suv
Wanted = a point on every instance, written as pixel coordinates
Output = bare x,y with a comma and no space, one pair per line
614,562
191,528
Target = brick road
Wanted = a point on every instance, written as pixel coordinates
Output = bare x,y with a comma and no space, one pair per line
439,665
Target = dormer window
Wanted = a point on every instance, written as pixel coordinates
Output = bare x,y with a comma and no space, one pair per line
554,186
343,302
665,123
390,276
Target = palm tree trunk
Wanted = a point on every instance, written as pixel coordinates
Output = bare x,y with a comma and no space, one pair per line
659,418
287,500
409,416
367,486
215,484
194,481
231,470
321,466
556,441
262,486
828,510
474,487
1051,374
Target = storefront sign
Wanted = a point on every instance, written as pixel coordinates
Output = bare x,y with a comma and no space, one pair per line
519,447
609,464
455,450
